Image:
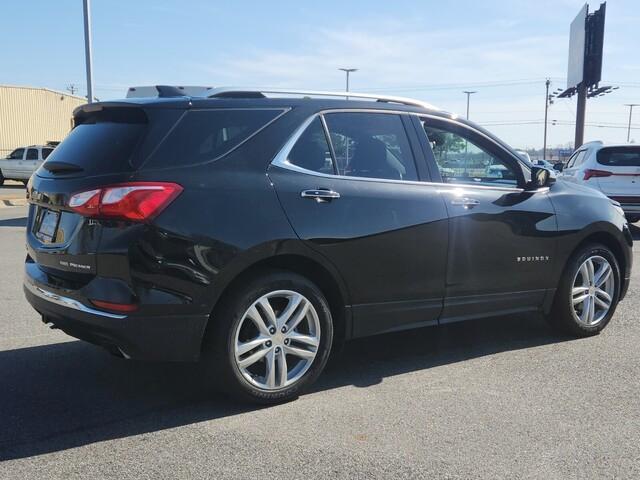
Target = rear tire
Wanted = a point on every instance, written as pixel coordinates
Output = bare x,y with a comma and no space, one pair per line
269,339
588,292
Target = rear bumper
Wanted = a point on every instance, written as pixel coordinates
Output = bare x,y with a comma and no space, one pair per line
159,338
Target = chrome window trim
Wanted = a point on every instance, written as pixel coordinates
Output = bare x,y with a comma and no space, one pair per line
67,302
280,160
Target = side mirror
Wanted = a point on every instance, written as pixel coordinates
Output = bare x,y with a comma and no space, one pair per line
558,167
541,177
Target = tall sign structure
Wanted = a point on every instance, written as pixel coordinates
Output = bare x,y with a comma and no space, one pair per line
584,73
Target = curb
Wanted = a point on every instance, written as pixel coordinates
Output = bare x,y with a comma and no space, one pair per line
14,202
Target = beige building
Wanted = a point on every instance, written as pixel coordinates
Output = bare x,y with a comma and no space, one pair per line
34,116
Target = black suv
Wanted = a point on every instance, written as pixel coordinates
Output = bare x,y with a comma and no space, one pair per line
255,231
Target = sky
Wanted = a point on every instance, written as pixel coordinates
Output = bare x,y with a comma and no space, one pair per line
425,49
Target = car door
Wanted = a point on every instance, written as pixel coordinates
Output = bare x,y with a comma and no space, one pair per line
13,163
502,238
29,164
352,185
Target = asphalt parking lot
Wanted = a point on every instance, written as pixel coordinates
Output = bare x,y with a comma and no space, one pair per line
503,398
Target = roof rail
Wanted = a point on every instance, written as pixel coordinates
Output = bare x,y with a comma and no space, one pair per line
167,91
235,92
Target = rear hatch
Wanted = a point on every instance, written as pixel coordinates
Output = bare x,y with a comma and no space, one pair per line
105,147
619,172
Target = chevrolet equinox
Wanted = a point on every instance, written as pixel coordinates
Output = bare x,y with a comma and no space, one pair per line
253,230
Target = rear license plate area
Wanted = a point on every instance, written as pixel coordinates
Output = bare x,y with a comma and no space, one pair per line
46,225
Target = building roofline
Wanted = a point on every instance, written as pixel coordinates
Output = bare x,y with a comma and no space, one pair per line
57,92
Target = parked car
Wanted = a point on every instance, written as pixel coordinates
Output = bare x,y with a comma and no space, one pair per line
544,163
256,230
613,169
22,162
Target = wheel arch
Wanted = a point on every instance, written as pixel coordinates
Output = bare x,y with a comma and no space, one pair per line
608,240
329,282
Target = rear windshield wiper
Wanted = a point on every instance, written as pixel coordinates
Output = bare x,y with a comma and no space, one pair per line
62,167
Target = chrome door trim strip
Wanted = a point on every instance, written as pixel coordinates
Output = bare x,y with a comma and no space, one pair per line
67,302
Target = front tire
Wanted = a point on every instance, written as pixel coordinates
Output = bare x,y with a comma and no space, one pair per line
270,339
588,293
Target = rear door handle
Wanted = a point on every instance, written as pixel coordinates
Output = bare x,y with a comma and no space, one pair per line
465,202
320,195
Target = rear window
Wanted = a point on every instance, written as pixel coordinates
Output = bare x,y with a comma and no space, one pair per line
101,142
204,135
46,152
619,156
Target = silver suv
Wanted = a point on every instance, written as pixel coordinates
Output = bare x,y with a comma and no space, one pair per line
22,162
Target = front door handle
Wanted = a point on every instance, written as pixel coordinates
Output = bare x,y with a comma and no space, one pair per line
465,202
320,195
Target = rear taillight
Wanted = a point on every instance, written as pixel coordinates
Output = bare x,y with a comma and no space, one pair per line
590,173
135,201
115,307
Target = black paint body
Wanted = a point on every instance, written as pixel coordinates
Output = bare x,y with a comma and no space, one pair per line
389,255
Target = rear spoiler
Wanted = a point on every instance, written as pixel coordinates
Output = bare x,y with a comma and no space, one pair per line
125,112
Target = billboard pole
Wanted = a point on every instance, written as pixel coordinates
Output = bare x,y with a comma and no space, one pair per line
580,115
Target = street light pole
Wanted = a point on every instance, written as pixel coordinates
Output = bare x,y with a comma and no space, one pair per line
348,71
87,48
469,93
546,112
630,105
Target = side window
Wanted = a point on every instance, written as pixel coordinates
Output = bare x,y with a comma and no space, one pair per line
204,135
46,152
576,159
16,154
571,160
312,151
32,154
580,158
460,160
372,145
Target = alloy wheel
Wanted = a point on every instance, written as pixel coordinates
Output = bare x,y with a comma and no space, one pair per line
592,291
277,340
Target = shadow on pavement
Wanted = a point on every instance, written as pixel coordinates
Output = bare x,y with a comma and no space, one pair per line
635,231
14,222
65,395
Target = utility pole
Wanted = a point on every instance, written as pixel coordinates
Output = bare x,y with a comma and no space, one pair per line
546,114
469,93
87,48
348,71
630,105
72,89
